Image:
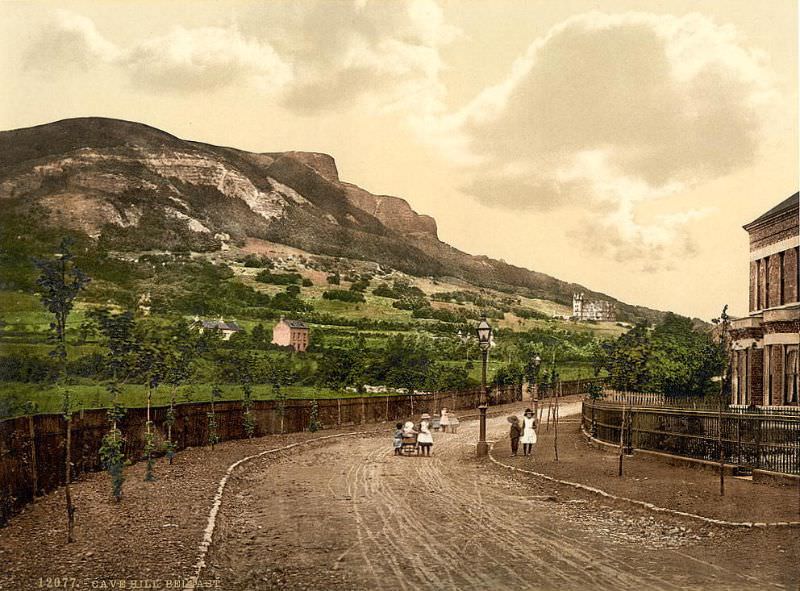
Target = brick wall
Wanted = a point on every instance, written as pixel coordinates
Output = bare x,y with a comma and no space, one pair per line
774,280
782,327
783,227
762,284
790,280
776,374
757,376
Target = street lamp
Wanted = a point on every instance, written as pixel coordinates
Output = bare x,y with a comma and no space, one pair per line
484,341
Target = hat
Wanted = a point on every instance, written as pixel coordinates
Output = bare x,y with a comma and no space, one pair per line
513,419
425,416
528,412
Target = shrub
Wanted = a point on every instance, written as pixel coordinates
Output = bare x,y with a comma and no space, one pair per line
267,276
344,295
359,285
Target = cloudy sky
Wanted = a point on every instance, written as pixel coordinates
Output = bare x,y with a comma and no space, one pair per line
621,144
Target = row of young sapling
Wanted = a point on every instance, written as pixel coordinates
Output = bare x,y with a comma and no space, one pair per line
60,282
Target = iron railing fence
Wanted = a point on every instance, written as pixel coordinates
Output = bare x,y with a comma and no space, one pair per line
657,400
749,440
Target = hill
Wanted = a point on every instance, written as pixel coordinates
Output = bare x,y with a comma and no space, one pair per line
123,187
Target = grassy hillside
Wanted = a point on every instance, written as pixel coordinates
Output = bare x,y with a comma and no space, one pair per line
164,289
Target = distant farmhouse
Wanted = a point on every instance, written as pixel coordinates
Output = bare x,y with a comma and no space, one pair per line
600,310
226,329
766,344
291,333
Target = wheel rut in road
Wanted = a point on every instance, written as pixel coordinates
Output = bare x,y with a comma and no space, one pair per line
350,515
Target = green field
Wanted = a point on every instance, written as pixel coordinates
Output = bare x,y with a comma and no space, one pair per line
25,334
48,398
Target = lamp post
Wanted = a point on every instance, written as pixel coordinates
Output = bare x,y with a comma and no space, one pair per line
485,341
533,376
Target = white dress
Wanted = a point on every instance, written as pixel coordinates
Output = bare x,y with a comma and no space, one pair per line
444,421
424,433
528,433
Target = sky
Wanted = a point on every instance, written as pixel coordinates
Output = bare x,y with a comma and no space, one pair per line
619,144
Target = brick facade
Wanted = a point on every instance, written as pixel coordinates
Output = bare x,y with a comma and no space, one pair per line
766,344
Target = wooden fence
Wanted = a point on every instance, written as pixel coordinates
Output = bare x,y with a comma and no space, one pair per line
570,388
749,440
18,448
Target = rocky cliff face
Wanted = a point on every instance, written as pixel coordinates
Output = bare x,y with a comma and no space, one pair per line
133,187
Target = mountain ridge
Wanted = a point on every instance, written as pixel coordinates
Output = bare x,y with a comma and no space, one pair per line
131,186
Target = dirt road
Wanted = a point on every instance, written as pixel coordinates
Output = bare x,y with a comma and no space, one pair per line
349,515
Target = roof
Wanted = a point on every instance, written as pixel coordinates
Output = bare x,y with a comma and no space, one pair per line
782,207
221,325
294,323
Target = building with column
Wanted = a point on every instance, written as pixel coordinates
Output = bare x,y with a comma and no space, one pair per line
765,344
600,310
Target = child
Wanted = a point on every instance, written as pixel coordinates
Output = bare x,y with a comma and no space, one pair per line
515,434
398,439
425,438
528,432
444,421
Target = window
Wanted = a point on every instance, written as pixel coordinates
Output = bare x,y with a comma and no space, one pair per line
790,382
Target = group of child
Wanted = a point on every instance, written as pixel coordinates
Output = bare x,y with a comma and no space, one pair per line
422,434
521,431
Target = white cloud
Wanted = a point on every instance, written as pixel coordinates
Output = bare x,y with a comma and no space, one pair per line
385,55
608,112
317,54
70,39
206,57
182,60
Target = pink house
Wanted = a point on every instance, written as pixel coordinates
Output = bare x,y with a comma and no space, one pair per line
291,333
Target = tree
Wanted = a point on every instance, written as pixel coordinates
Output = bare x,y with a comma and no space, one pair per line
314,424
626,360
183,349
341,367
213,435
118,332
242,365
60,282
112,455
277,372
404,362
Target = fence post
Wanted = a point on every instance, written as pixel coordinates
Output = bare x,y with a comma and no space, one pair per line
363,410
758,442
621,437
739,440
387,409
339,411
34,469
411,398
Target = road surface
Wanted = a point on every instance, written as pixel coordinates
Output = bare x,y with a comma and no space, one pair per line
349,515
